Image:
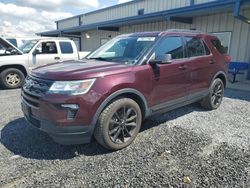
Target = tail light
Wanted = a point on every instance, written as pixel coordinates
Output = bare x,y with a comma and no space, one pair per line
228,58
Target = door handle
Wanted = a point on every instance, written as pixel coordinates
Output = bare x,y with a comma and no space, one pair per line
183,67
57,58
212,61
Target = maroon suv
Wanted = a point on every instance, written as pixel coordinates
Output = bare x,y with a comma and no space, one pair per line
131,77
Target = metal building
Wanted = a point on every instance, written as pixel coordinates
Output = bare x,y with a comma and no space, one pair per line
228,19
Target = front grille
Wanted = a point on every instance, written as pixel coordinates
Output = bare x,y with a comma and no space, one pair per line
30,101
33,89
36,87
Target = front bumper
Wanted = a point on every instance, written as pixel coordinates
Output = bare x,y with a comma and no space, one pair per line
66,132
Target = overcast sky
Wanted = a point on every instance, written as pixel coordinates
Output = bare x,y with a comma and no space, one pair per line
26,17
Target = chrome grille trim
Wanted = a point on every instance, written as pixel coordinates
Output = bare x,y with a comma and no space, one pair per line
35,86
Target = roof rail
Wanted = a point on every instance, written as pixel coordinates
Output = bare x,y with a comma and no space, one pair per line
185,31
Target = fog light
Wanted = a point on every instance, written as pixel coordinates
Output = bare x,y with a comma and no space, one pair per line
72,110
70,106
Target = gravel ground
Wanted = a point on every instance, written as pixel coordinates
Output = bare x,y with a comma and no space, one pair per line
187,147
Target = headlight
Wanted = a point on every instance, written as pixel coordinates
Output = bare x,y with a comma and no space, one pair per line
71,87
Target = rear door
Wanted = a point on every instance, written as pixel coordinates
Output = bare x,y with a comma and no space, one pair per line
170,81
201,64
46,52
68,50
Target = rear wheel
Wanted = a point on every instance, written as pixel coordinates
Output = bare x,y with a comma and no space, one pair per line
12,78
213,100
119,124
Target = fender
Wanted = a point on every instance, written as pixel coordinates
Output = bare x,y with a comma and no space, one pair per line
116,94
17,66
217,74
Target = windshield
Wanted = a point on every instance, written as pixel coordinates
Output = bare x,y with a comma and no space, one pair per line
126,50
12,41
26,47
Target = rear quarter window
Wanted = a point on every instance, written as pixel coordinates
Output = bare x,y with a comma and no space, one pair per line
219,47
66,47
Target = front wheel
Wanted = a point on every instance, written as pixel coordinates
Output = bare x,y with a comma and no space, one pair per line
119,124
12,78
213,100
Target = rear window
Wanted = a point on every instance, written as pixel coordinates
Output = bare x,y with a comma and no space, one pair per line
66,47
217,44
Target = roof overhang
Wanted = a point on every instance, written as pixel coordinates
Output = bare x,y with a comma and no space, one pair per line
183,14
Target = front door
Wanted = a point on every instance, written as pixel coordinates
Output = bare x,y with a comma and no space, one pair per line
45,53
170,81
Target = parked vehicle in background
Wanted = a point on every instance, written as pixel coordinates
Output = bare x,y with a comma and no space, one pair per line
16,63
128,79
17,42
2,49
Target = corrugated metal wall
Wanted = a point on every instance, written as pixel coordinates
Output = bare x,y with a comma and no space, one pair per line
240,38
220,22
68,23
126,10
202,1
131,9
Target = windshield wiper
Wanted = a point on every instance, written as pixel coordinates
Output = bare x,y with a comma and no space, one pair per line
99,58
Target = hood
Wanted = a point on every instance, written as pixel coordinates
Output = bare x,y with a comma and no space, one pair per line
13,58
6,44
78,70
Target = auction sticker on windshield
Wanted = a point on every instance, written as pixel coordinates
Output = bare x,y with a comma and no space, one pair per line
146,39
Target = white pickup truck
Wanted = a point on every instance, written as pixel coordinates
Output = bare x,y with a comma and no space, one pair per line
16,63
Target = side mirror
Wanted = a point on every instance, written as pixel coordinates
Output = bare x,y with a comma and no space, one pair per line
164,58
35,52
161,59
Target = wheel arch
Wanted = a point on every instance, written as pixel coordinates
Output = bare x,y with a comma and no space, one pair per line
15,66
133,94
222,75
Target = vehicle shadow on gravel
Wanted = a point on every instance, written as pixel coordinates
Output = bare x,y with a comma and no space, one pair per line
27,142
237,94
171,115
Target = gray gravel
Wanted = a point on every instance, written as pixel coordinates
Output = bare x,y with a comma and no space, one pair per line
188,147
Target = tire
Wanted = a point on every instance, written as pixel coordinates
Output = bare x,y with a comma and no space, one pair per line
115,129
12,78
213,100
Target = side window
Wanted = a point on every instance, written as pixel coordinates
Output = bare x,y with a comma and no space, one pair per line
217,44
66,47
170,45
194,47
47,48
